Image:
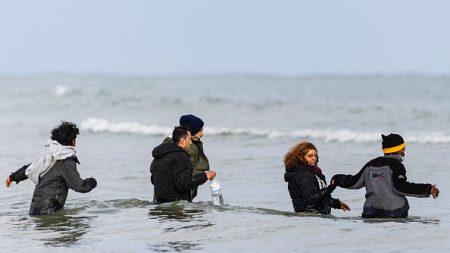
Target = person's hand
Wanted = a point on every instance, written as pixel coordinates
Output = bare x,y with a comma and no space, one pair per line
434,191
211,174
8,181
92,182
345,207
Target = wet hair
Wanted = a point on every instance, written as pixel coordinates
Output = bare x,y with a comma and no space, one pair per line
296,155
179,133
65,133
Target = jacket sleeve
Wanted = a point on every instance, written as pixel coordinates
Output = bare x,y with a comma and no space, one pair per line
309,192
182,176
335,203
73,179
403,187
349,181
19,175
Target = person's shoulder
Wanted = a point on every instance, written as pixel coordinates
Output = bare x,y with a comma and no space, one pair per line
396,165
378,162
166,149
301,171
71,161
180,157
172,150
182,154
168,139
195,146
392,162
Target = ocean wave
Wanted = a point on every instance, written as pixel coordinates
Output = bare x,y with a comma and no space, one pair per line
61,91
102,125
96,125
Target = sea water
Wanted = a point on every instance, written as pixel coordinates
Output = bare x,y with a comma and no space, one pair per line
251,121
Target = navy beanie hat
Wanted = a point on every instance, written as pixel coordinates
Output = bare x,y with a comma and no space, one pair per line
392,143
195,124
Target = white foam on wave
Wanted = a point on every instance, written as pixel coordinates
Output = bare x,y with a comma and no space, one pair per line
102,125
61,91
342,135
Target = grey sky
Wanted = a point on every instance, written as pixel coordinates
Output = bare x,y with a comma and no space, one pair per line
188,37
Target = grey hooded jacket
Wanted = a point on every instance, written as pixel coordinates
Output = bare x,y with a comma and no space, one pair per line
386,187
51,192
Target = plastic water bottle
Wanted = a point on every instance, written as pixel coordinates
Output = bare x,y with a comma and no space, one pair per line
216,193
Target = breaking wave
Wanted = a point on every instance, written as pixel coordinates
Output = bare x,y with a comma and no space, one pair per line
61,91
96,125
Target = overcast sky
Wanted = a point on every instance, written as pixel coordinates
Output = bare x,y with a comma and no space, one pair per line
209,37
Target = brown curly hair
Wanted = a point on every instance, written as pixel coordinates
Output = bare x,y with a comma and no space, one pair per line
296,155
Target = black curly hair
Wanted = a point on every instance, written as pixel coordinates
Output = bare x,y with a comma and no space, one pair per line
65,133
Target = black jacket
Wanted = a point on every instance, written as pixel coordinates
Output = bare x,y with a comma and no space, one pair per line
171,174
306,193
51,192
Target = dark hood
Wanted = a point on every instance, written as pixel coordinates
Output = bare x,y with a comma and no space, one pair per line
290,174
166,148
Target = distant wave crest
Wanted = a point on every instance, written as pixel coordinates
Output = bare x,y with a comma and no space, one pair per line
102,125
96,125
61,91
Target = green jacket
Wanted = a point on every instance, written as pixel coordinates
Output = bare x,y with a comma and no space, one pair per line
198,158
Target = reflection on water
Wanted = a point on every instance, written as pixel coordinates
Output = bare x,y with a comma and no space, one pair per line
179,211
174,246
60,229
181,217
411,219
128,203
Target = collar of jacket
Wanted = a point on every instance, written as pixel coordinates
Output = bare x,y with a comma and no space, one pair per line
394,156
75,159
291,173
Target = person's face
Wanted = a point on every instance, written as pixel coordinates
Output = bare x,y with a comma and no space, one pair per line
198,135
403,152
311,157
186,142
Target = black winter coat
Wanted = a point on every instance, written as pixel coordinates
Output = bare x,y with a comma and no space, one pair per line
306,193
171,174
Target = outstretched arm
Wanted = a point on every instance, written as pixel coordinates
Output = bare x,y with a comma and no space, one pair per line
17,176
348,181
403,187
73,179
